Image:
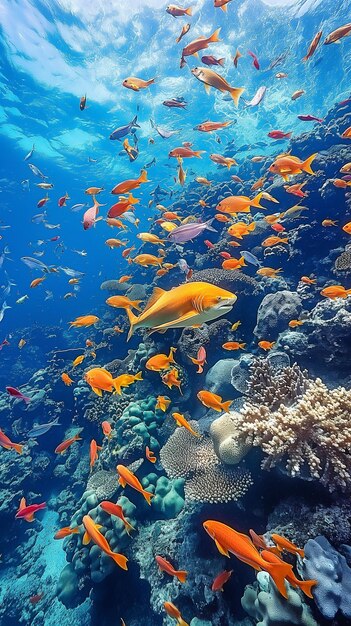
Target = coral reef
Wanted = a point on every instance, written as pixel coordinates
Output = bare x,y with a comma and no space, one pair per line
275,312
271,387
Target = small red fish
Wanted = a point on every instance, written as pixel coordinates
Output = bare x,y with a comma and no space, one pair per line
62,201
56,238
200,359
220,580
209,244
36,598
255,60
15,393
310,118
279,228
225,255
28,512
278,134
150,455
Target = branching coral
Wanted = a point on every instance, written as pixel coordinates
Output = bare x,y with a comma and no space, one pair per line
206,478
314,434
271,387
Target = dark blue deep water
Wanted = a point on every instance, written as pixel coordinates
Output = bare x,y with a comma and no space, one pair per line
215,382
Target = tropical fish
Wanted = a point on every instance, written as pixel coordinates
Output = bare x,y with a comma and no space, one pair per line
146,260
171,379
167,567
27,512
130,184
233,264
177,11
220,580
122,131
125,380
257,98
233,345
150,455
266,345
273,240
199,44
117,511
126,477
66,532
313,46
223,160
22,299
100,380
6,443
310,118
162,403
15,393
208,127
84,321
211,60
134,83
339,33
66,379
92,533
182,422
175,103
185,152
188,232
270,272
200,359
297,94
62,201
4,308
186,305
304,585
213,401
36,171
62,447
30,153
160,362
41,429
335,291
34,264
184,31
212,79
93,453
172,611
240,229
238,204
237,57
279,134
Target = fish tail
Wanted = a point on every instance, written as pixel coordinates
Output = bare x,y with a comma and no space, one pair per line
215,36
128,527
119,559
138,376
151,81
235,93
135,304
256,201
160,260
143,177
26,399
132,320
132,200
181,622
182,575
208,225
198,153
226,405
278,572
18,447
134,122
221,61
148,496
306,586
348,291
306,165
189,11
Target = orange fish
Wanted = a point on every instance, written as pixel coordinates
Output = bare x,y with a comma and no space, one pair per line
327,223
172,611
220,580
266,345
185,153
347,228
160,362
66,532
89,343
229,540
134,83
123,302
273,240
270,272
295,323
166,566
126,477
94,450
222,218
66,379
162,403
234,244
128,185
208,127
37,281
92,534
287,166
199,44
335,291
347,133
223,160
106,429
150,455
296,190
233,345
234,264
288,546
171,379
62,447
341,184
84,321
313,46
126,252
240,229
236,57
116,509
213,401
307,280
271,219
181,421
304,585
6,443
27,512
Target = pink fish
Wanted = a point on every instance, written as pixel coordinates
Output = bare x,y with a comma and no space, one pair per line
89,217
4,343
255,60
310,118
200,359
15,393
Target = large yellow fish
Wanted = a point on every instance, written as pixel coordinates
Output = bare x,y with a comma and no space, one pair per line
186,305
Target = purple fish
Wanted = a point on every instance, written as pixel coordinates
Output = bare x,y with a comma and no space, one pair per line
258,97
15,393
310,118
210,60
187,232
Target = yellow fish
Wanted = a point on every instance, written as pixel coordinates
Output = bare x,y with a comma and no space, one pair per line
162,403
181,421
78,360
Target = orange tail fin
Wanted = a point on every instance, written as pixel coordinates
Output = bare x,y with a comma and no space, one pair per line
148,496
182,575
235,93
215,36
226,405
119,559
18,447
306,165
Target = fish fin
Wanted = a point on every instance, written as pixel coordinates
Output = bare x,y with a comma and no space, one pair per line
148,496
135,304
221,61
226,405
215,36
306,165
196,54
189,11
306,586
156,294
18,447
256,201
278,572
138,376
224,8
128,527
235,93
97,391
29,518
182,575
221,549
184,317
207,88
86,539
198,153
122,482
209,227
132,320
134,122
143,177
119,559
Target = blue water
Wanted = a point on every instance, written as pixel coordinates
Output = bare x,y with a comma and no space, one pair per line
52,54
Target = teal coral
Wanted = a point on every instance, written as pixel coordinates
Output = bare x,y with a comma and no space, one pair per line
169,494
